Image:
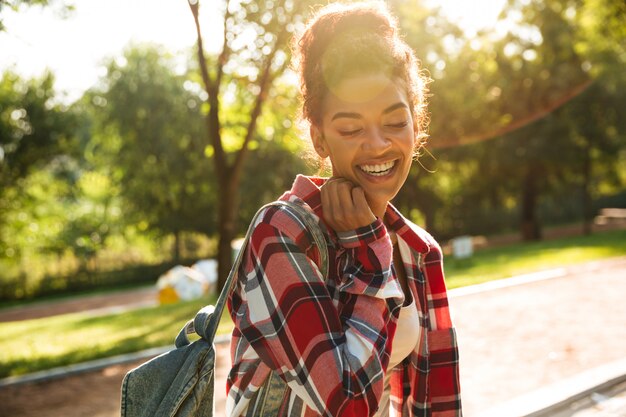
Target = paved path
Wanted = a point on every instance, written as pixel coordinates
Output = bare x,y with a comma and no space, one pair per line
516,340
513,341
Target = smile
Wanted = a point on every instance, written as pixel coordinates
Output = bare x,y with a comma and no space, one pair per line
378,170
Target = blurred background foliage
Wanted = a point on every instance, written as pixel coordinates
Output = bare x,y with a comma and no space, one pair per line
528,131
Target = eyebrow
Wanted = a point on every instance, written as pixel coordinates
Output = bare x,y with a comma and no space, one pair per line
389,109
395,107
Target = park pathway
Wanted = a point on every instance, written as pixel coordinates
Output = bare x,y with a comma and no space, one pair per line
97,304
513,341
522,338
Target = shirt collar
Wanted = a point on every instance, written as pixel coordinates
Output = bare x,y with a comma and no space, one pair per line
414,236
307,189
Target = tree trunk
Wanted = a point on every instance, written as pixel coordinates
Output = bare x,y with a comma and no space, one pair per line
177,247
429,221
224,254
587,204
229,174
227,217
529,223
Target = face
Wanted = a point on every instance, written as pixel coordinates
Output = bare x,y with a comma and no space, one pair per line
368,134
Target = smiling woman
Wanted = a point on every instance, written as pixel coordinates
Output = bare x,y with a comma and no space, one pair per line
374,336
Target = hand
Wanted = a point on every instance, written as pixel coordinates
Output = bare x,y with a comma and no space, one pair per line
344,205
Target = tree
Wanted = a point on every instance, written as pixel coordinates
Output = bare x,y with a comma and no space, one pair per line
150,135
275,152
601,40
33,130
509,112
600,126
554,151
254,53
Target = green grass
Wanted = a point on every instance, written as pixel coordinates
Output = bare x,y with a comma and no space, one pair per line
507,261
34,345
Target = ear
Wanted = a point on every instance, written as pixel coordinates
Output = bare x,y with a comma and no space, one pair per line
319,143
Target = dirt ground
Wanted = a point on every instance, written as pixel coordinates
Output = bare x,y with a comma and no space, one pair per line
92,394
101,302
516,340
512,341
89,394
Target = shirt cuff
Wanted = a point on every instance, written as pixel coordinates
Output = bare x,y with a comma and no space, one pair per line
363,235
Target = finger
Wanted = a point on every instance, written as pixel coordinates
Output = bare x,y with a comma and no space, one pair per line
332,188
339,202
344,198
361,205
326,193
358,196
329,201
334,202
332,181
339,209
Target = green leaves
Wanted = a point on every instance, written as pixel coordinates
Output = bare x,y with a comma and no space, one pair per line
33,128
517,104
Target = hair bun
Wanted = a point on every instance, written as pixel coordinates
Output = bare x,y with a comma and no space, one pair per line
337,18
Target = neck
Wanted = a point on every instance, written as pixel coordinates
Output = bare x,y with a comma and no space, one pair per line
379,209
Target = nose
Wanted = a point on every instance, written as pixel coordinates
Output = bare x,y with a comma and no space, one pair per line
376,141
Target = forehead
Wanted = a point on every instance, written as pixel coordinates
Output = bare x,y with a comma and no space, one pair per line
364,94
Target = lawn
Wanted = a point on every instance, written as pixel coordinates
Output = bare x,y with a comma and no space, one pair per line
522,258
34,345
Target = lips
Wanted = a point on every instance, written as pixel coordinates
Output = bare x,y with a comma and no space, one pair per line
378,170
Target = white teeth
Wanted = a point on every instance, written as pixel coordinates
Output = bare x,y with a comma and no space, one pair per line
378,169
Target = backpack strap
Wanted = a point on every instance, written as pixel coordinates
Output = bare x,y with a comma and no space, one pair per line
207,319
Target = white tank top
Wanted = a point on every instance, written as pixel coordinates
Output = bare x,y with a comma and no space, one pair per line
404,342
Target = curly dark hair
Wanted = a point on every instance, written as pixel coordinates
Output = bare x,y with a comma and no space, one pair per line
346,40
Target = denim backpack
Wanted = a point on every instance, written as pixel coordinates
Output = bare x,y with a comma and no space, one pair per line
179,383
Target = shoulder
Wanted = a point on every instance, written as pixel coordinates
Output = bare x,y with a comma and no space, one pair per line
284,220
430,247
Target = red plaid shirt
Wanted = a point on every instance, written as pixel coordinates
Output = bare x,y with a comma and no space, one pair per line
330,338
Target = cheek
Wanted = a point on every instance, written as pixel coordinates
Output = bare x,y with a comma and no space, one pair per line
339,150
407,144
408,149
340,163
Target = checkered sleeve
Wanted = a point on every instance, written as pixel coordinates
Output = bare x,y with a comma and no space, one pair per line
332,360
366,266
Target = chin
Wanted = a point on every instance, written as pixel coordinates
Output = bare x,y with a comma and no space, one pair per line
379,196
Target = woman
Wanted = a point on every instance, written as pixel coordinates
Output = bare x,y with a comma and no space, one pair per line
374,337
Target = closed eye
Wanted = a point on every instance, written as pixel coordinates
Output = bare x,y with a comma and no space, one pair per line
398,125
349,132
